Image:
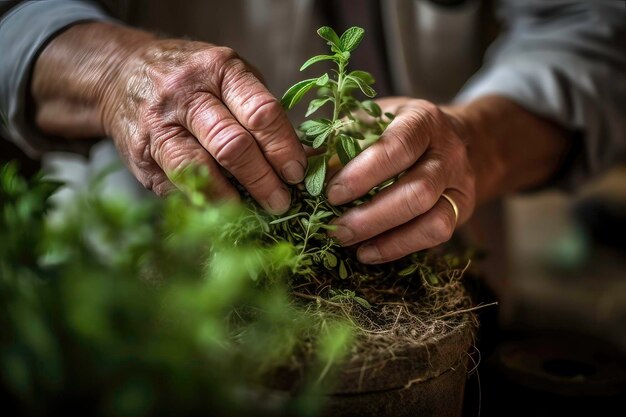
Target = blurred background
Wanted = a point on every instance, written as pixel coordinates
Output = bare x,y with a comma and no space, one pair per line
556,264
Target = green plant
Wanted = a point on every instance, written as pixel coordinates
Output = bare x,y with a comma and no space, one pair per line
156,307
344,134
353,125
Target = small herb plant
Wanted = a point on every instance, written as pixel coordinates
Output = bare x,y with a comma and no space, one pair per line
353,125
344,134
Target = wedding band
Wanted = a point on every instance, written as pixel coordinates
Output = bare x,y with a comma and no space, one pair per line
454,207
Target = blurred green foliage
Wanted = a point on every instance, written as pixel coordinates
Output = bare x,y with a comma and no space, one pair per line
158,307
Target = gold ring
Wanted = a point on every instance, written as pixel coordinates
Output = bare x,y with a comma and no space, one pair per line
454,206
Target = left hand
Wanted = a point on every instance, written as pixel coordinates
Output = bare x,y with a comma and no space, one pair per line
423,145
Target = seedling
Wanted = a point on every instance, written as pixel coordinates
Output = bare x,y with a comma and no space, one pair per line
344,134
353,125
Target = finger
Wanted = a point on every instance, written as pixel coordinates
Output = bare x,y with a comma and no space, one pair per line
399,147
178,150
262,115
234,148
429,230
413,194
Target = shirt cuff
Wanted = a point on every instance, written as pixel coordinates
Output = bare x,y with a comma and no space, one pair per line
24,31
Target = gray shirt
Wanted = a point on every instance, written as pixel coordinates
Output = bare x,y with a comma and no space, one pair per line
561,59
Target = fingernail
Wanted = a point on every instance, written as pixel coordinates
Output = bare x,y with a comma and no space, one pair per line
343,234
368,254
293,172
279,201
338,194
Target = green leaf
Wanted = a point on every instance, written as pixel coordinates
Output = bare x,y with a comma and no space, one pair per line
321,138
364,76
363,86
356,135
314,105
296,92
371,108
316,127
346,149
322,214
307,124
390,116
322,80
363,302
343,272
317,58
316,174
330,259
351,38
286,218
307,140
330,35
409,270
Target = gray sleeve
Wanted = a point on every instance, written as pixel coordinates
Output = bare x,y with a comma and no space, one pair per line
24,31
564,60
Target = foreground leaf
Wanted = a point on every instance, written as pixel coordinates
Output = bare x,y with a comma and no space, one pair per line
351,38
316,127
330,35
321,138
314,105
346,148
322,80
296,92
316,174
362,83
316,58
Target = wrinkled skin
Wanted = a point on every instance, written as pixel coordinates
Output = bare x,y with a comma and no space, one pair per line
168,104
185,103
191,103
424,145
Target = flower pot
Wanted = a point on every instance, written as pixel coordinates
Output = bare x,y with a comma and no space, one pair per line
418,380
411,379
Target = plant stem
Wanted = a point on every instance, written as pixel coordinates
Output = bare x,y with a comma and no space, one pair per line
336,110
307,233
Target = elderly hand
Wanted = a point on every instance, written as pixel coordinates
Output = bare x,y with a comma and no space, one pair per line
172,103
423,146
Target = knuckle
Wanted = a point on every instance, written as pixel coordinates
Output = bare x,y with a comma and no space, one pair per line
396,154
153,181
441,228
229,147
223,54
260,180
198,108
425,108
264,111
163,146
420,196
162,187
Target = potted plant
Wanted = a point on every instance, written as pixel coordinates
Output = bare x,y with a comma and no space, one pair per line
410,315
185,306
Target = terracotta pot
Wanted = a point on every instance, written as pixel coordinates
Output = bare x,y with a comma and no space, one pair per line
425,380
